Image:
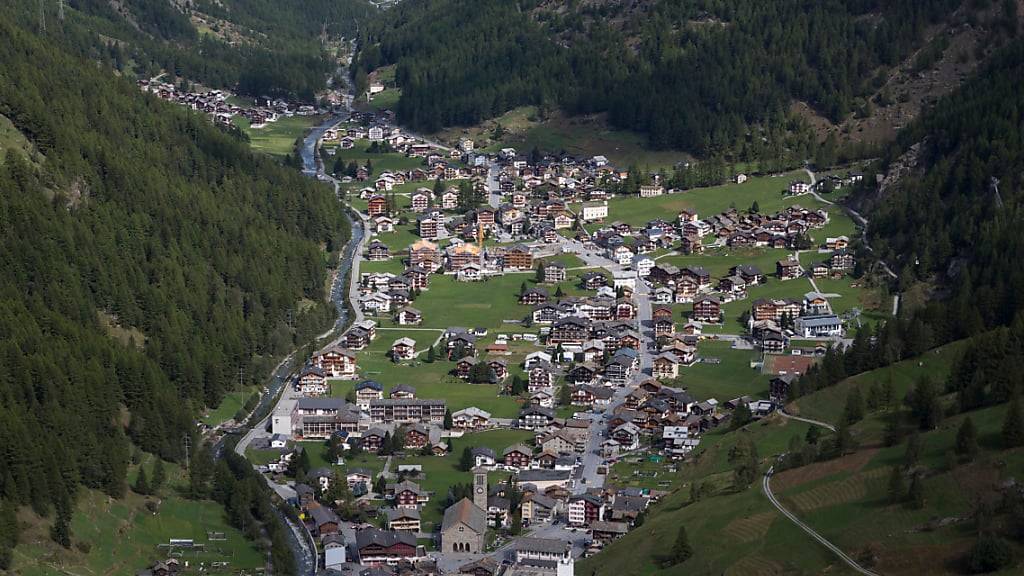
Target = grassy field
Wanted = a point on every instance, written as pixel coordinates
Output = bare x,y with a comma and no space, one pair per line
718,261
386,100
845,499
12,138
441,473
827,404
277,138
431,379
732,378
121,536
230,405
381,161
767,191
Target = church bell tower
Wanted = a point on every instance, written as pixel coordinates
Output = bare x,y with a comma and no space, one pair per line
480,487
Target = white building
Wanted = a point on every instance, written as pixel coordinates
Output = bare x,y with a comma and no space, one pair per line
823,326
594,211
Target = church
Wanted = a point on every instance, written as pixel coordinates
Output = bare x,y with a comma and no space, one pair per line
465,522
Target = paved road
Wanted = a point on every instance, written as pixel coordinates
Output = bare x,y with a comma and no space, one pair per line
592,459
767,487
784,414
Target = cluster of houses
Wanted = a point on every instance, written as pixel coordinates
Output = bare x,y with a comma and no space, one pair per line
214,104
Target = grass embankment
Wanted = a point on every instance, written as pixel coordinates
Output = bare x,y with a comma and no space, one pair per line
845,499
122,536
277,138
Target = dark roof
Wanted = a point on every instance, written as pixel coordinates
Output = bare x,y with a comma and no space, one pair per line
465,512
384,538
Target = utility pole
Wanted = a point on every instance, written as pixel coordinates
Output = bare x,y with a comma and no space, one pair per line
241,372
42,16
60,10
188,445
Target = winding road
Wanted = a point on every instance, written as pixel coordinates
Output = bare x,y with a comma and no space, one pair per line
766,485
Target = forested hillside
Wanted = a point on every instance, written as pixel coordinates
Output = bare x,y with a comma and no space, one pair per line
953,220
695,75
134,216
258,47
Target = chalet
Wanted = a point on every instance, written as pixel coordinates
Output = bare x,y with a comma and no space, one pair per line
403,519
403,349
778,388
698,275
841,261
517,456
336,362
426,254
665,366
450,199
419,201
372,440
775,309
416,436
815,303
568,330
819,270
460,342
409,316
376,206
428,226
583,509
518,257
312,381
663,327
788,269
402,392
819,326
377,547
471,272
554,272
383,224
471,418
707,309
534,417
772,341
324,521
593,280
533,296
368,390
406,494
625,310
650,190
751,274
544,398
499,368
377,251
541,375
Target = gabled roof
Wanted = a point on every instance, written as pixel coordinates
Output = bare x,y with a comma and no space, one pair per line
465,512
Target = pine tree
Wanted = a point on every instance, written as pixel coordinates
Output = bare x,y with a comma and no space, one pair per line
141,482
466,460
854,410
681,549
559,293
915,494
897,486
159,475
538,277
967,440
1013,425
915,446
60,532
812,436
447,419
431,355
564,396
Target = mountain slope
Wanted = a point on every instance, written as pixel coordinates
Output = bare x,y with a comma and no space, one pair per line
702,76
142,212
